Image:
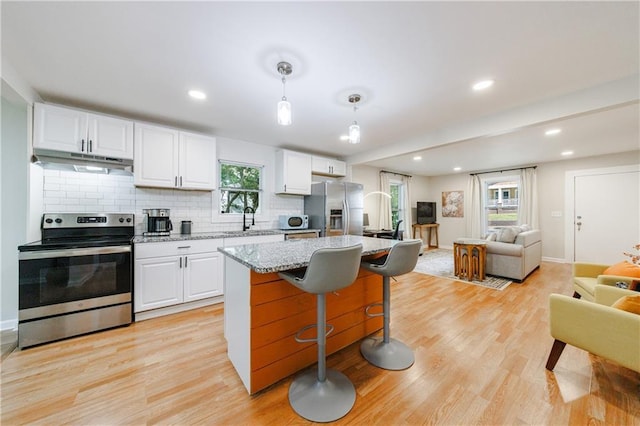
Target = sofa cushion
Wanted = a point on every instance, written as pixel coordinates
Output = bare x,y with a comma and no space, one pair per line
491,236
629,304
505,249
623,269
586,286
507,234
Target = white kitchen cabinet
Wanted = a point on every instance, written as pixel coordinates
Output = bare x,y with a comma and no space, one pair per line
328,166
175,272
169,158
293,172
65,129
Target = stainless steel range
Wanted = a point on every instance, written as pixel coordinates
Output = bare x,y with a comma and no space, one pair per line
77,279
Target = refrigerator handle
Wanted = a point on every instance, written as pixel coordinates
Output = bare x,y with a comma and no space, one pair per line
345,218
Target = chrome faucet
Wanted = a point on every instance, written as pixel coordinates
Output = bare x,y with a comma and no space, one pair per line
244,218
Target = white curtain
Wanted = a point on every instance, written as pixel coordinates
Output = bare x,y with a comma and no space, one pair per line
528,199
406,208
384,209
473,208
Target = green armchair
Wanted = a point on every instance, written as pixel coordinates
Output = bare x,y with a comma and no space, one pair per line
595,327
587,275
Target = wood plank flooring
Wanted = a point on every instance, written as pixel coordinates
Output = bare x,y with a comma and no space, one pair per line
480,357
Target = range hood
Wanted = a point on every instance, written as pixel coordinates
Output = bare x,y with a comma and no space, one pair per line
71,160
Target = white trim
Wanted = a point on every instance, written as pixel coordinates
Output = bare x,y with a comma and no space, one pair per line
154,313
569,205
11,324
553,259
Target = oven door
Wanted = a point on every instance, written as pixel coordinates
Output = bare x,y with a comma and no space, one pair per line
53,282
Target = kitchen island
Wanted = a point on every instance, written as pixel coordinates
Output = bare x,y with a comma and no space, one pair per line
262,312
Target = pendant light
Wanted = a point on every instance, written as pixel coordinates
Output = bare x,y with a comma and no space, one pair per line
284,107
354,129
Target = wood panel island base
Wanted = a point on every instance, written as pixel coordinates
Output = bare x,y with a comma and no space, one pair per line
263,313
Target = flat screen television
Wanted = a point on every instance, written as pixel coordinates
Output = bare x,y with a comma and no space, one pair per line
426,212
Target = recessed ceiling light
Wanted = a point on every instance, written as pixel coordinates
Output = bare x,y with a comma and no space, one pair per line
566,153
457,169
417,158
344,137
482,85
196,94
552,132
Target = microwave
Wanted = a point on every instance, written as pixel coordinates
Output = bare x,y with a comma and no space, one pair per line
299,221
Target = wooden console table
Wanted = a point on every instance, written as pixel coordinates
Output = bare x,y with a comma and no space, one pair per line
429,227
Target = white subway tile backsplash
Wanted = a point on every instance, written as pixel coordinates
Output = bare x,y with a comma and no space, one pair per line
66,191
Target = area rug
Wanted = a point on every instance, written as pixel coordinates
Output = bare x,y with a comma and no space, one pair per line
439,262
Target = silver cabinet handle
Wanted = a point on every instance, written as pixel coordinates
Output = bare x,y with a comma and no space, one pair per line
185,261
180,180
180,263
175,179
90,149
82,146
184,247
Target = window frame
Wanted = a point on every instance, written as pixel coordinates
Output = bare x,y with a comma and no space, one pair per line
486,182
217,215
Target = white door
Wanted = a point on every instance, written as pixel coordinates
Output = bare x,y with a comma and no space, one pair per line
158,282
202,276
156,160
605,216
110,137
197,162
60,129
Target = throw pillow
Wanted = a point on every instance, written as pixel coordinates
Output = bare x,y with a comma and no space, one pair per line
492,236
623,269
525,228
629,304
507,235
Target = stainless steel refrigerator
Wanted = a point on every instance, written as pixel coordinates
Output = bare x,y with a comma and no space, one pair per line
336,208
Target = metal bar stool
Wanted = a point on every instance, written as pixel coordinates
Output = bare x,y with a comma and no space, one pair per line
389,353
329,394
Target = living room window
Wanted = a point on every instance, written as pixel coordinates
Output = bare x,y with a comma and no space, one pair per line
501,201
240,187
397,202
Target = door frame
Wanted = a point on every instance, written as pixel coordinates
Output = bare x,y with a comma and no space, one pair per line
569,206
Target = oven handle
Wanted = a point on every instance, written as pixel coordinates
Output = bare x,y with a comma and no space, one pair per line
89,251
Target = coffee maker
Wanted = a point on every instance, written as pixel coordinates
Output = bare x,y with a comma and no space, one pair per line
156,222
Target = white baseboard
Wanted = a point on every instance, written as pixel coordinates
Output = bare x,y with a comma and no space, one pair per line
154,313
554,259
11,324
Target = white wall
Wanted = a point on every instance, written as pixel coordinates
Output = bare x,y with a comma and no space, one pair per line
551,180
13,194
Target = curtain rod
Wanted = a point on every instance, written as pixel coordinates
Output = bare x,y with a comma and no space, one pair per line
505,170
394,173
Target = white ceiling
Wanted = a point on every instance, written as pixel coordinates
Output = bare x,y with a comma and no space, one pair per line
573,65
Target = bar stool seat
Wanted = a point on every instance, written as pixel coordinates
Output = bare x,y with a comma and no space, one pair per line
386,352
327,395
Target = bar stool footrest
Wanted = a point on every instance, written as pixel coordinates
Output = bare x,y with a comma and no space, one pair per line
374,305
325,401
394,355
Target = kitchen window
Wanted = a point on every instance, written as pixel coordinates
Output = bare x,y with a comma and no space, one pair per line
240,187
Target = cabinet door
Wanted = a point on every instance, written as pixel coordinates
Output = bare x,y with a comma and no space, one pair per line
157,282
156,156
202,276
197,162
110,137
60,129
293,173
319,165
338,168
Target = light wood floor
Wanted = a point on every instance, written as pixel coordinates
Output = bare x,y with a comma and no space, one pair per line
480,356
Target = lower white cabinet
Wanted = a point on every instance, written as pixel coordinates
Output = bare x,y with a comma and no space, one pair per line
174,272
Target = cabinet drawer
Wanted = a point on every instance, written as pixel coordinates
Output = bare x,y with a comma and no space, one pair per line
176,248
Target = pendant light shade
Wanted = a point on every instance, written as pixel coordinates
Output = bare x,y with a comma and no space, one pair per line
354,133
284,112
284,107
354,129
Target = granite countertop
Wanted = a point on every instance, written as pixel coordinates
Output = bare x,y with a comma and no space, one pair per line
291,254
219,234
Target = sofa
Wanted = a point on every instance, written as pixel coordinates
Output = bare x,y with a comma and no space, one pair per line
513,251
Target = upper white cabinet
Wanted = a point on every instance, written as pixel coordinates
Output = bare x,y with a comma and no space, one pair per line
293,173
70,130
168,158
328,167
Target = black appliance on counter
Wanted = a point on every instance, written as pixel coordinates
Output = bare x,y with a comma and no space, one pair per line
77,279
156,222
